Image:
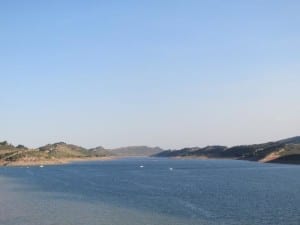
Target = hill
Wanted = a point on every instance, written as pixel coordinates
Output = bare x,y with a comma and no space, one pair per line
62,152
49,154
282,151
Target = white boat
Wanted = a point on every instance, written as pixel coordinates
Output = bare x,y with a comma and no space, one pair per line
41,166
141,166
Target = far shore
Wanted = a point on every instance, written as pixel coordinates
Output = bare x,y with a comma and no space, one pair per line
63,161
270,159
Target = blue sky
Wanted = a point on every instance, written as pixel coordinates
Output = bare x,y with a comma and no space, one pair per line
158,73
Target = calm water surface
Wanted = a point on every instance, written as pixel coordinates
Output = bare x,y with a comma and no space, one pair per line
162,192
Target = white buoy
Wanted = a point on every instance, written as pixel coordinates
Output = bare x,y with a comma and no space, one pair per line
171,168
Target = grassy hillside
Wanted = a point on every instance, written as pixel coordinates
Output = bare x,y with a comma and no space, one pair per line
285,151
10,154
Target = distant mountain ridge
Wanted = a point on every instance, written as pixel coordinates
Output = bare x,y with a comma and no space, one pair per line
282,151
136,151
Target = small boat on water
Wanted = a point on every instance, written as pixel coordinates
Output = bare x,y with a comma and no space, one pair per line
41,166
170,168
141,166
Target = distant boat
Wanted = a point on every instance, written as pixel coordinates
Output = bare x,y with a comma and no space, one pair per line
171,168
41,166
141,166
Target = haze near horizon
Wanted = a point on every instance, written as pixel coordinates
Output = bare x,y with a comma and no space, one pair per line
160,73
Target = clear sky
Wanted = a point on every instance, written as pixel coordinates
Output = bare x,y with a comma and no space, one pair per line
163,73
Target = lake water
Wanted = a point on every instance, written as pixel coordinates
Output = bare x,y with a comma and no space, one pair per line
146,191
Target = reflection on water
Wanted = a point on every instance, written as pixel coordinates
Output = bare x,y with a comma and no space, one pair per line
147,191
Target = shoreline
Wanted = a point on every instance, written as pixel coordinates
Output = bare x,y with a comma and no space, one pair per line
63,161
263,161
